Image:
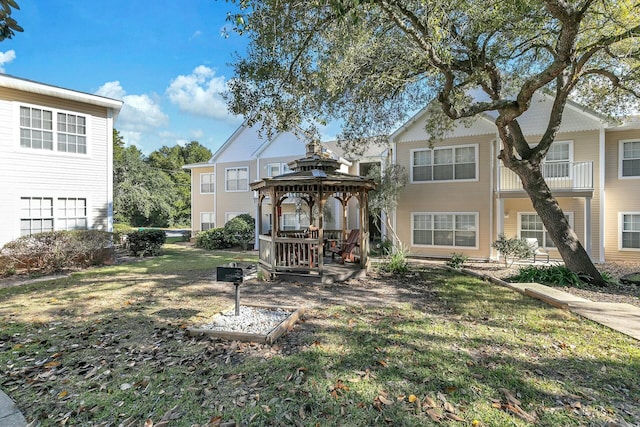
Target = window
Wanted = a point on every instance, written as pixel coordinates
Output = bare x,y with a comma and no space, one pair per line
36,128
288,221
230,215
435,229
72,133
531,227
207,221
237,179
275,169
444,164
36,215
72,214
631,231
629,159
556,163
206,183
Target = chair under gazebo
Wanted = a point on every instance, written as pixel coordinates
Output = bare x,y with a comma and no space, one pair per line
316,253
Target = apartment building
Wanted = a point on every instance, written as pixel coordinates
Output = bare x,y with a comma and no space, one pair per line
220,187
56,159
460,197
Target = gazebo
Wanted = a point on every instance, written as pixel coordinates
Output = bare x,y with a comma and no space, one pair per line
311,254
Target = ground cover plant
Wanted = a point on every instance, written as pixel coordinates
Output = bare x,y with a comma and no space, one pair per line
108,347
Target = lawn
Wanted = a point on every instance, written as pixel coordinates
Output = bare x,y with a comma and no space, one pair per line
108,347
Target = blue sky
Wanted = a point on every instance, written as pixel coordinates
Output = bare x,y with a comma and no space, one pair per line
167,60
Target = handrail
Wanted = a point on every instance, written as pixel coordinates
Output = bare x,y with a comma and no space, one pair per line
558,175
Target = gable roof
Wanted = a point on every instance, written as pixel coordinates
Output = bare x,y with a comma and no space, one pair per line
31,86
534,121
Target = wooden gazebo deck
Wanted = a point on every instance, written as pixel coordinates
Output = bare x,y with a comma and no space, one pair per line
298,258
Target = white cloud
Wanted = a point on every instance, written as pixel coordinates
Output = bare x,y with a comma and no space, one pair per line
5,58
139,112
196,34
197,133
200,93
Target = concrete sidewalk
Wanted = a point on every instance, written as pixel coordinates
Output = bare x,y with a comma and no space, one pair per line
624,318
10,415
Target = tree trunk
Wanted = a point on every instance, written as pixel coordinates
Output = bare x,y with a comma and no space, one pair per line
571,250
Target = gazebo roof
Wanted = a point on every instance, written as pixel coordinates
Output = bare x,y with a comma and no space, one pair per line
315,169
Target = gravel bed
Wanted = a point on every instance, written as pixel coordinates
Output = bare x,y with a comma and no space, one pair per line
252,320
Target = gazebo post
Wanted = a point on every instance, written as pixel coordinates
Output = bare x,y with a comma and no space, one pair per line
364,227
321,201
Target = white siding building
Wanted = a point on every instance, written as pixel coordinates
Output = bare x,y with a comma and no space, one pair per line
56,159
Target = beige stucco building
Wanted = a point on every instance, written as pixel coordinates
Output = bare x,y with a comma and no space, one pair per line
460,198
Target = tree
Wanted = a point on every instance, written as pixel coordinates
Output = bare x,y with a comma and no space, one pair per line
170,161
384,199
8,25
369,63
142,195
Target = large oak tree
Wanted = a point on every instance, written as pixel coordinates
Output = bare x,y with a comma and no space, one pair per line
369,63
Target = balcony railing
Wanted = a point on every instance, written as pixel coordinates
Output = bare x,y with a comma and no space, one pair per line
563,176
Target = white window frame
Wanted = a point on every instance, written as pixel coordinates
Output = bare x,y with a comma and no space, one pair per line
228,216
476,216
29,215
212,184
212,216
295,222
226,179
280,166
544,230
56,132
62,211
569,161
621,158
621,231
448,147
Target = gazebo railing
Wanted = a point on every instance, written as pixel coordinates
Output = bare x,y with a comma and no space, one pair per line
288,252
296,253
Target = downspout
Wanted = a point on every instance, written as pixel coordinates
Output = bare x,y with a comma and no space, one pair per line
493,174
601,194
216,188
394,215
256,200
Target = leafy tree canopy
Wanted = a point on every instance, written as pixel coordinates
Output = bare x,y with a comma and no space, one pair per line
154,190
8,25
371,63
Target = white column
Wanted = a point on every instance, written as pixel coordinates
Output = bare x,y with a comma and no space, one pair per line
587,226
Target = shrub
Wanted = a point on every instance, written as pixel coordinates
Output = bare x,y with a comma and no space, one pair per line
385,247
398,262
120,232
214,238
145,242
457,260
240,230
512,249
553,275
248,219
56,250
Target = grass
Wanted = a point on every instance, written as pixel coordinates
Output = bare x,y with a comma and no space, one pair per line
108,346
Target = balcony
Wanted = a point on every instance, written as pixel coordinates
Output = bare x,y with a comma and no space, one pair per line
568,179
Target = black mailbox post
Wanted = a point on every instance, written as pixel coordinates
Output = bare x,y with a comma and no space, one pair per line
236,274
